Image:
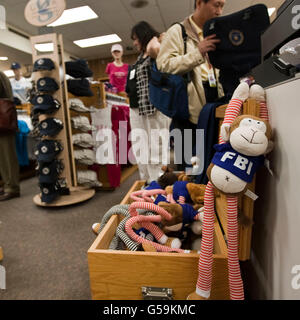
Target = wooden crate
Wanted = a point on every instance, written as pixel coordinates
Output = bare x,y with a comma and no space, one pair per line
120,274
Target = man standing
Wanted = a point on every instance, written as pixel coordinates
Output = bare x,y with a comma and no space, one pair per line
9,165
20,85
204,86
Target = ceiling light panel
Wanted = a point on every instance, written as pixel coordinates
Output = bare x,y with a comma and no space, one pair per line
73,15
44,47
98,41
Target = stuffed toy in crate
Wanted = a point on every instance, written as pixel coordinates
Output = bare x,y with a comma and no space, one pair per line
244,141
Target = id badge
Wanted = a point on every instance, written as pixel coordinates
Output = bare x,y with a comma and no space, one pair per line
132,74
211,78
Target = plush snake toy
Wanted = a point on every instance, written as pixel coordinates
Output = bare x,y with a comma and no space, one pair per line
147,222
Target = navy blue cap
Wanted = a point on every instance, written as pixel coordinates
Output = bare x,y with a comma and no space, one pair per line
47,84
50,192
49,171
47,150
43,64
78,69
45,104
50,127
79,87
15,65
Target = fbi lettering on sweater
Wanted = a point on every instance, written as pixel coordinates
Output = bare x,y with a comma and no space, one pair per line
242,166
238,161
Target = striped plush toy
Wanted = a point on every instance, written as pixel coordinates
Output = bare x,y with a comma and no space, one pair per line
232,167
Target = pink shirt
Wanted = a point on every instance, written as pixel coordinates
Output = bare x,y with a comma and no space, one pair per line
117,75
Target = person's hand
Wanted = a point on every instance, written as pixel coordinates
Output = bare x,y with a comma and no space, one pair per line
208,44
153,47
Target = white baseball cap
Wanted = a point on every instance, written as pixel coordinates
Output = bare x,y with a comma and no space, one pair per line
116,47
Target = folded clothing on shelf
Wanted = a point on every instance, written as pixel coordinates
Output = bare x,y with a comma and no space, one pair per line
85,156
84,140
82,123
88,178
77,105
79,87
78,69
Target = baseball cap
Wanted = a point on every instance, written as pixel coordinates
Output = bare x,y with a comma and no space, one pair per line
78,69
49,191
45,104
47,150
50,127
116,47
84,140
79,87
15,65
82,123
43,64
77,105
49,171
47,84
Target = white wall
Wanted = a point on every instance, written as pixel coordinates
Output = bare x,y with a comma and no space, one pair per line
276,232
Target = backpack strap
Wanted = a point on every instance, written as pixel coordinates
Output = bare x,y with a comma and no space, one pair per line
184,36
186,76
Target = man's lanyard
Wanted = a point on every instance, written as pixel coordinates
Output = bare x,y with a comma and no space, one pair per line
211,73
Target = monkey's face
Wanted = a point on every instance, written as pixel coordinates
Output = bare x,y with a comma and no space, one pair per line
249,138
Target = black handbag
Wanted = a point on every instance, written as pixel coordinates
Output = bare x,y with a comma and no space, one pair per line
240,48
168,92
8,116
131,88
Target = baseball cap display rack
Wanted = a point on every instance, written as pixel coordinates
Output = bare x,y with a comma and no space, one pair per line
77,193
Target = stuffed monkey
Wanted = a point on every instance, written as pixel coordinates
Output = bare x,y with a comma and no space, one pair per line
185,191
247,136
180,213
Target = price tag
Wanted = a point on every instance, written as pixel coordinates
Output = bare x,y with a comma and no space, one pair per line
211,78
267,165
251,195
132,74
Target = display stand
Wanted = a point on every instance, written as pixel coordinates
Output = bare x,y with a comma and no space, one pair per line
98,101
77,194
